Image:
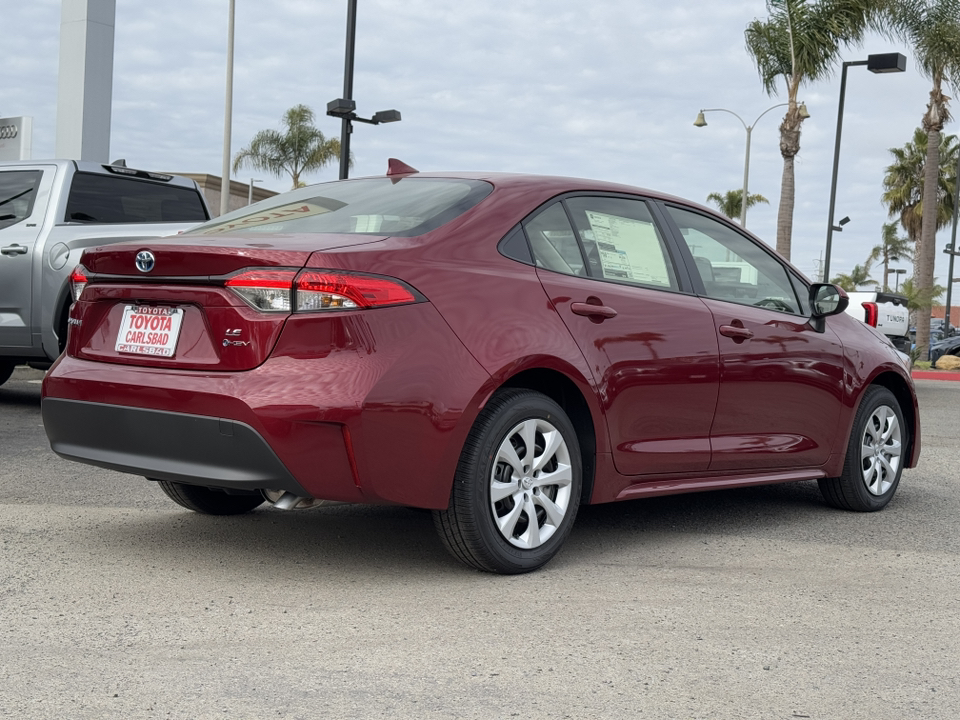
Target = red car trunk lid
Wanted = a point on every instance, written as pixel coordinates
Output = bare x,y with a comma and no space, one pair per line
198,255
217,329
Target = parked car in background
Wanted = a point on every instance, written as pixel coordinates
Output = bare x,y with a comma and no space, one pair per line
499,349
50,211
949,345
887,312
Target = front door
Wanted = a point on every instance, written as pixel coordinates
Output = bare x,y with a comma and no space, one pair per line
21,219
781,383
652,348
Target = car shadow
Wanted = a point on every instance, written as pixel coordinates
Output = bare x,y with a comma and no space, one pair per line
19,393
349,539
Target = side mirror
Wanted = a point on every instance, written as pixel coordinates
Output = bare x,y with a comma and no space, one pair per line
826,300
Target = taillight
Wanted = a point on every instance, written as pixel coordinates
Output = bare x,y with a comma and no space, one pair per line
78,281
286,290
267,290
872,313
330,290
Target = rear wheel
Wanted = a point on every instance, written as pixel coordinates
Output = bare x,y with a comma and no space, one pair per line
517,487
209,501
6,370
875,455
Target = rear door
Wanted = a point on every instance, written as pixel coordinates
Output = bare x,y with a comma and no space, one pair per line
781,382
651,346
24,194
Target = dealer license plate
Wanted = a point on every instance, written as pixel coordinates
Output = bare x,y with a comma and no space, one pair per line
149,330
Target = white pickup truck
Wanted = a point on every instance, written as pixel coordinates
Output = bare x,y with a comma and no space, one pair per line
50,211
886,312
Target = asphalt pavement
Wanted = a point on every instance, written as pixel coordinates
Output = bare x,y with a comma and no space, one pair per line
754,603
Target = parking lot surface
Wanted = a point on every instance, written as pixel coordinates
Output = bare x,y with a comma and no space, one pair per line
755,603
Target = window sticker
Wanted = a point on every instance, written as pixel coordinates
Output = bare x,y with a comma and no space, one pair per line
629,249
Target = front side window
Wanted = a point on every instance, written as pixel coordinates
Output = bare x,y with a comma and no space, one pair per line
110,199
621,241
404,207
734,268
18,191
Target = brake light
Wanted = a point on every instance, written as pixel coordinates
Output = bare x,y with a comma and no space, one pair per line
267,290
78,281
330,290
872,313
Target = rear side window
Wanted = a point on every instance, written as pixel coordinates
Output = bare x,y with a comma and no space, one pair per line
621,241
18,191
553,242
106,199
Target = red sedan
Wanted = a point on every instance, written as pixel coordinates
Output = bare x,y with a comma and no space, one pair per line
497,348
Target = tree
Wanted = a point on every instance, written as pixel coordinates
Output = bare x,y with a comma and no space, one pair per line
918,299
932,28
903,184
891,247
800,42
731,202
859,276
300,148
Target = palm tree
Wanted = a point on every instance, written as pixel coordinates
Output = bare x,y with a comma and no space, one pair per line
932,28
301,148
903,183
731,202
891,247
800,42
859,276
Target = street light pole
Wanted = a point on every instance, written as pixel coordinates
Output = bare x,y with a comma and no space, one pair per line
701,122
250,190
346,124
883,63
227,119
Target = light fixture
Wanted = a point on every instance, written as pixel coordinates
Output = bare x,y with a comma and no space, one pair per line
701,121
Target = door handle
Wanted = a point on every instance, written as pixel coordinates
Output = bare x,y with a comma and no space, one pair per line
589,310
14,250
739,334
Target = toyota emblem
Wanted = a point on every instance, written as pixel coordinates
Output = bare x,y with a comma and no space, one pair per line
145,261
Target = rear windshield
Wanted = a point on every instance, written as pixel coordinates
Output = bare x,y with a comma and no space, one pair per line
402,207
107,199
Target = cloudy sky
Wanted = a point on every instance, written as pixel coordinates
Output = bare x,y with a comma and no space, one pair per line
607,89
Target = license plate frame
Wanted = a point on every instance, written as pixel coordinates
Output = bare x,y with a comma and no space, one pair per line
149,330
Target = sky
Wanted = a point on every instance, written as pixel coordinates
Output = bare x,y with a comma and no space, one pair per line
607,90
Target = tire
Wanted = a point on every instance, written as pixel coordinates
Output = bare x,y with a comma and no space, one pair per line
875,455
525,526
6,370
209,501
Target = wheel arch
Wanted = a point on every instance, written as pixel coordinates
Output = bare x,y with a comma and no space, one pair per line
896,384
564,391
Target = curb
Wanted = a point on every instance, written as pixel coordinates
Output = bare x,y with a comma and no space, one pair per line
932,375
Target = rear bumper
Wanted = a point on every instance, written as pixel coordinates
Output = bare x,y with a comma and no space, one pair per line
361,407
160,445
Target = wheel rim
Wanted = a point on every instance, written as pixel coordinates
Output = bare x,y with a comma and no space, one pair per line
530,484
880,450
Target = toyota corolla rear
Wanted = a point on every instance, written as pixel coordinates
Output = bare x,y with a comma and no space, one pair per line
250,354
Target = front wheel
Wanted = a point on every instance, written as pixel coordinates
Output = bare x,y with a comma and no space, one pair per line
517,487
210,501
875,455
